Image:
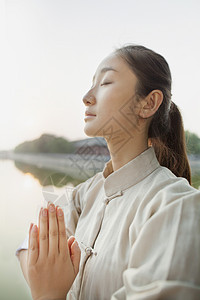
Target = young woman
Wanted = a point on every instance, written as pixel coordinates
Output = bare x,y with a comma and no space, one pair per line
137,222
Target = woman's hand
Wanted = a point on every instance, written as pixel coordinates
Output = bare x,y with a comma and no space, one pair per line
53,262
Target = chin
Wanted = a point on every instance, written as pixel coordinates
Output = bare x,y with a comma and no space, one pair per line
90,131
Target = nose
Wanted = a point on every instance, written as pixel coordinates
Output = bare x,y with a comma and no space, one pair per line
89,99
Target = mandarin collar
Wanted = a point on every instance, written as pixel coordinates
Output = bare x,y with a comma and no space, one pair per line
129,174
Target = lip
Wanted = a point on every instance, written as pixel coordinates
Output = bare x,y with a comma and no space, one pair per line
89,117
87,113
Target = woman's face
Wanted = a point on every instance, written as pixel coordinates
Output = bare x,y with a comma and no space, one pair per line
112,100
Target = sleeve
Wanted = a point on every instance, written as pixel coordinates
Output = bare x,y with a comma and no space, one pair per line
74,204
23,246
164,261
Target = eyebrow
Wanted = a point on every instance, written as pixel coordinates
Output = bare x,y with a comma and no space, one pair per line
106,69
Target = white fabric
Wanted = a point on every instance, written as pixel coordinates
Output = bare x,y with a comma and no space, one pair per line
138,229
23,246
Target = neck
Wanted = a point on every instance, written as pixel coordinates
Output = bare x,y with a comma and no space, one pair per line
130,150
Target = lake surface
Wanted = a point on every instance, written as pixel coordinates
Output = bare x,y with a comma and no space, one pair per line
21,199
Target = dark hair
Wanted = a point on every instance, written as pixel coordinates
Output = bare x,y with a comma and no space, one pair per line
166,132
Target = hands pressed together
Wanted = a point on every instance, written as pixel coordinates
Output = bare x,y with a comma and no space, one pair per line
53,261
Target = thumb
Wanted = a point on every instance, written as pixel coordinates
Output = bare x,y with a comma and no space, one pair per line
75,256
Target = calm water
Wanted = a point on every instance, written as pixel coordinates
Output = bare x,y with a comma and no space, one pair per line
21,198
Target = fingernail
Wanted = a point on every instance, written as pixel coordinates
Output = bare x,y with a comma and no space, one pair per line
44,212
34,229
60,212
51,208
76,244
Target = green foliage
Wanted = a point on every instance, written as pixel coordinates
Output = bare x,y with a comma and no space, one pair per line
46,144
192,143
196,180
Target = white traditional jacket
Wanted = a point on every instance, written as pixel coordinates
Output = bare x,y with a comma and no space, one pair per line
139,232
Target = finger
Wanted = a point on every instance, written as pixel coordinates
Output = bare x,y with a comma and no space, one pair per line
75,256
33,250
43,233
53,231
29,239
62,241
70,241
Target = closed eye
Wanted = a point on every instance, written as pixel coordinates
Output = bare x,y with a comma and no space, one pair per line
105,83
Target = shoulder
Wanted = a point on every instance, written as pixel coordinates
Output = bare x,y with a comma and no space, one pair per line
163,180
81,189
86,185
164,193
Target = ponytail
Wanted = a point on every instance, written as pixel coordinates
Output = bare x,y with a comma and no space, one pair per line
169,145
166,133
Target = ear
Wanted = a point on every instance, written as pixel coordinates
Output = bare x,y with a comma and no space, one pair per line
150,104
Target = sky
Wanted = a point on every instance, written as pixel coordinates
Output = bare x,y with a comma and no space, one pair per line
50,50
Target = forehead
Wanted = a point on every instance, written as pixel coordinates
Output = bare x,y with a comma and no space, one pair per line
111,60
115,62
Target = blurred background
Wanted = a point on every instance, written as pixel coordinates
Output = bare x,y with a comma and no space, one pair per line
49,52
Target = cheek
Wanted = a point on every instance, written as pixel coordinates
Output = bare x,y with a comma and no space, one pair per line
110,99
105,102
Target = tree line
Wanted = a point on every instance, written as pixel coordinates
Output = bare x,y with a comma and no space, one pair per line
46,143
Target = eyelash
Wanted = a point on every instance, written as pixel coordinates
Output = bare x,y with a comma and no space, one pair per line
105,83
